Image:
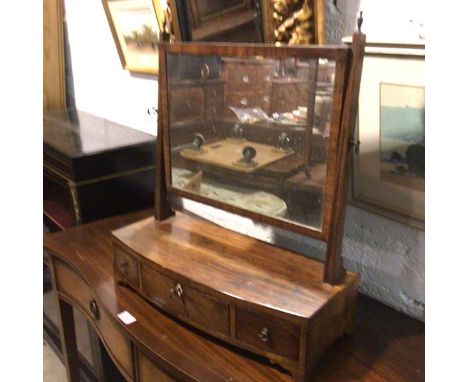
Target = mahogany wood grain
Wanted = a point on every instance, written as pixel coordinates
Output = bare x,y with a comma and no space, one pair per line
334,270
72,287
385,345
270,333
127,267
162,206
276,297
209,255
148,372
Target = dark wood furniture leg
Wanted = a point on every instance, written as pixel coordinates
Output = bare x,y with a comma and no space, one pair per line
68,339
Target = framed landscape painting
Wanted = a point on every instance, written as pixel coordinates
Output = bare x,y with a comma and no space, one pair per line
136,27
389,164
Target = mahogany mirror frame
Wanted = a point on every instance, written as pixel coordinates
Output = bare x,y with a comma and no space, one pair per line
346,87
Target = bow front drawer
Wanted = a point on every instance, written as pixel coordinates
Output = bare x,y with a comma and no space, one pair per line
126,266
269,333
185,302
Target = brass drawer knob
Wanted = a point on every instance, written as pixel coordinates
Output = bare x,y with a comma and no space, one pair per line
264,334
177,291
93,307
123,266
244,101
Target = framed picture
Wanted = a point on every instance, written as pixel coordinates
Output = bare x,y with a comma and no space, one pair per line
389,161
136,27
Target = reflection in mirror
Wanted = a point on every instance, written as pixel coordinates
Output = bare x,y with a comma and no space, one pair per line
252,132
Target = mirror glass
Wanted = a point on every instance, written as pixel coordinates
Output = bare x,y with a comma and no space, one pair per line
252,132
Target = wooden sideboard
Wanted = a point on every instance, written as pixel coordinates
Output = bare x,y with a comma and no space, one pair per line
384,346
91,168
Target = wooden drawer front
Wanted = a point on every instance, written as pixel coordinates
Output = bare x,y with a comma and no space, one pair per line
149,372
161,290
288,97
117,345
186,104
268,333
213,110
185,302
248,75
245,99
72,285
127,266
214,93
207,311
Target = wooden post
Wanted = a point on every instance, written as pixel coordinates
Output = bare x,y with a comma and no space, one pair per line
334,270
162,205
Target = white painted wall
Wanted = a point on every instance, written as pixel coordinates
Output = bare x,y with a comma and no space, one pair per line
102,87
388,255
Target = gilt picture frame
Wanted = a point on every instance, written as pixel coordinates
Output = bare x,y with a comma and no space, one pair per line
389,159
136,27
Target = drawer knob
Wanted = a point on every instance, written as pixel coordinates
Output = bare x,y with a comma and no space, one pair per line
205,71
264,334
245,79
177,291
244,101
124,265
93,307
188,103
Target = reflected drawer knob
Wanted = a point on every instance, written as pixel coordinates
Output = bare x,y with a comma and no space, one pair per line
264,334
245,79
205,71
244,101
177,291
188,103
93,307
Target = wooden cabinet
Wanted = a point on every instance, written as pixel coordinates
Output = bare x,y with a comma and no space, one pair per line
231,294
71,286
249,83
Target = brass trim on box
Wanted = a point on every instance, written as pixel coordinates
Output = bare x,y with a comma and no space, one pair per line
76,202
100,178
